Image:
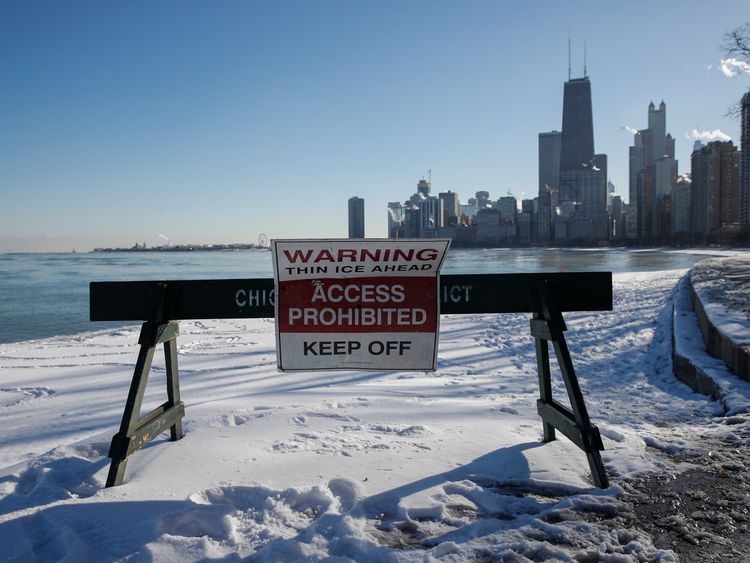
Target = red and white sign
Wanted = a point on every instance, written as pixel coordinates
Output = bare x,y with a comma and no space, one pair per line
357,303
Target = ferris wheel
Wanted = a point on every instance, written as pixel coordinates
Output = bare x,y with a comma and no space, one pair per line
262,240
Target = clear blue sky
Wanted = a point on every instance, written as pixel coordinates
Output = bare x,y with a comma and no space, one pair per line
216,121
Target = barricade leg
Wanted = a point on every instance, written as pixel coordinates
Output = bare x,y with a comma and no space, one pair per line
548,325
545,381
173,385
136,431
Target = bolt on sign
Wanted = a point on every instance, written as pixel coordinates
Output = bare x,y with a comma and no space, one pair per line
368,304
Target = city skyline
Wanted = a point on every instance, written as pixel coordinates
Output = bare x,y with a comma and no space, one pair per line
215,124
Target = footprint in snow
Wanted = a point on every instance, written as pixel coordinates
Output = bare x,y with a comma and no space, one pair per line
11,396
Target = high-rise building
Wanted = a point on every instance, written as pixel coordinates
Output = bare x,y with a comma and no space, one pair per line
657,123
483,199
631,221
577,142
611,193
745,164
715,193
549,159
356,217
423,187
636,168
582,195
526,221
588,220
653,176
468,212
396,213
411,222
549,181
488,226
507,207
697,195
430,217
617,218
451,208
681,208
599,161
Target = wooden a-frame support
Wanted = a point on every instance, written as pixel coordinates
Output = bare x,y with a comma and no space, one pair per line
136,431
548,325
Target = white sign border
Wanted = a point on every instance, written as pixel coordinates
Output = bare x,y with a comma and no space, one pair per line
273,246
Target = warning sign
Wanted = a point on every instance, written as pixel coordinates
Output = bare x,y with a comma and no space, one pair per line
357,303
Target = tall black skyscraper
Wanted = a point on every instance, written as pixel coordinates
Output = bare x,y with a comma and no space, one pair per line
583,183
356,217
577,144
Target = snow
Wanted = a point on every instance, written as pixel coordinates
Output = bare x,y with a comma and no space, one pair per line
363,466
721,285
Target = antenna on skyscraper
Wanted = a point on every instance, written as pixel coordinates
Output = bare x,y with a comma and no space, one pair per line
429,175
568,56
584,59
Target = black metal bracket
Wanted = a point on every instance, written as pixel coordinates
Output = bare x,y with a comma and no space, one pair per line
136,431
548,325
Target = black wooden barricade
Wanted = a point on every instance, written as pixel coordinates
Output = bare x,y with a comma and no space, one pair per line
162,303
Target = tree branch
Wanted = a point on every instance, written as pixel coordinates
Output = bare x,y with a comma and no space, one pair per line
737,42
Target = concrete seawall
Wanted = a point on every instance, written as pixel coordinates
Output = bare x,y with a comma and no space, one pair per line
720,295
698,315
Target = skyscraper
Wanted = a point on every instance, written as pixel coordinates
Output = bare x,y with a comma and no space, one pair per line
745,165
583,183
430,216
715,193
451,208
637,165
549,181
356,217
665,171
681,208
396,212
549,159
657,122
616,214
577,148
653,176
483,199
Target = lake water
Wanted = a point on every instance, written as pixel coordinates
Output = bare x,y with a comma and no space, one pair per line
44,295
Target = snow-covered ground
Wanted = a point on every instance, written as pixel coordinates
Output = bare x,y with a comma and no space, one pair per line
364,466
